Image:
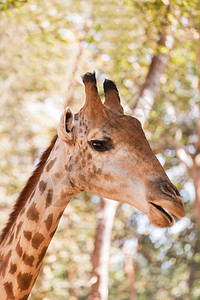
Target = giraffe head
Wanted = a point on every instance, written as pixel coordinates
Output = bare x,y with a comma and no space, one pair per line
111,156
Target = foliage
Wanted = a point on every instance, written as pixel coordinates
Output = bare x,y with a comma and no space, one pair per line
8,4
45,47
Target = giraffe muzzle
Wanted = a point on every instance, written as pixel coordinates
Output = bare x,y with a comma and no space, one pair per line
169,199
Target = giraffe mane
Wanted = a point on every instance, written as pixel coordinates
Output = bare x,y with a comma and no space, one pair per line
27,190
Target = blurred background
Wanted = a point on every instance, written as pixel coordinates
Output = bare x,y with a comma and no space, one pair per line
147,47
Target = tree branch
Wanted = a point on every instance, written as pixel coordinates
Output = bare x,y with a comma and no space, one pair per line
146,97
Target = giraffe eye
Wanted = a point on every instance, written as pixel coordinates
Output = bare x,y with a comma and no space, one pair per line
100,145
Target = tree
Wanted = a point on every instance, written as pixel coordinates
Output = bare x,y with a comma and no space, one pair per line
192,161
141,109
118,39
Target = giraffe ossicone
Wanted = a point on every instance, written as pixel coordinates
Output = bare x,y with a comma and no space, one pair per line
100,150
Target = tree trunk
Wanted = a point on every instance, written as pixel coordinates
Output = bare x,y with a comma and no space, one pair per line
145,100
141,110
71,278
195,172
99,280
129,269
192,162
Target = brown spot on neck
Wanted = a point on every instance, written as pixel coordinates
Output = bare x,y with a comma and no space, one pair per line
42,186
28,234
28,259
59,216
18,229
37,239
4,260
8,286
49,198
32,213
13,268
19,249
49,221
50,164
53,232
41,256
24,281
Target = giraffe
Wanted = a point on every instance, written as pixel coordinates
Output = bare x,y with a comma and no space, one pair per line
100,150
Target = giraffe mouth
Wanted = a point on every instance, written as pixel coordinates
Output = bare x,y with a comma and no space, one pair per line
159,216
168,201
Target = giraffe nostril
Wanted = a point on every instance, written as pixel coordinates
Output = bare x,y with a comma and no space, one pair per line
170,188
177,192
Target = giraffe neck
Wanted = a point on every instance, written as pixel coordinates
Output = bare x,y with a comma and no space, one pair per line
24,246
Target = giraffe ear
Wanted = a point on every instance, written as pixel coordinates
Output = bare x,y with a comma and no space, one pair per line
112,99
65,130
